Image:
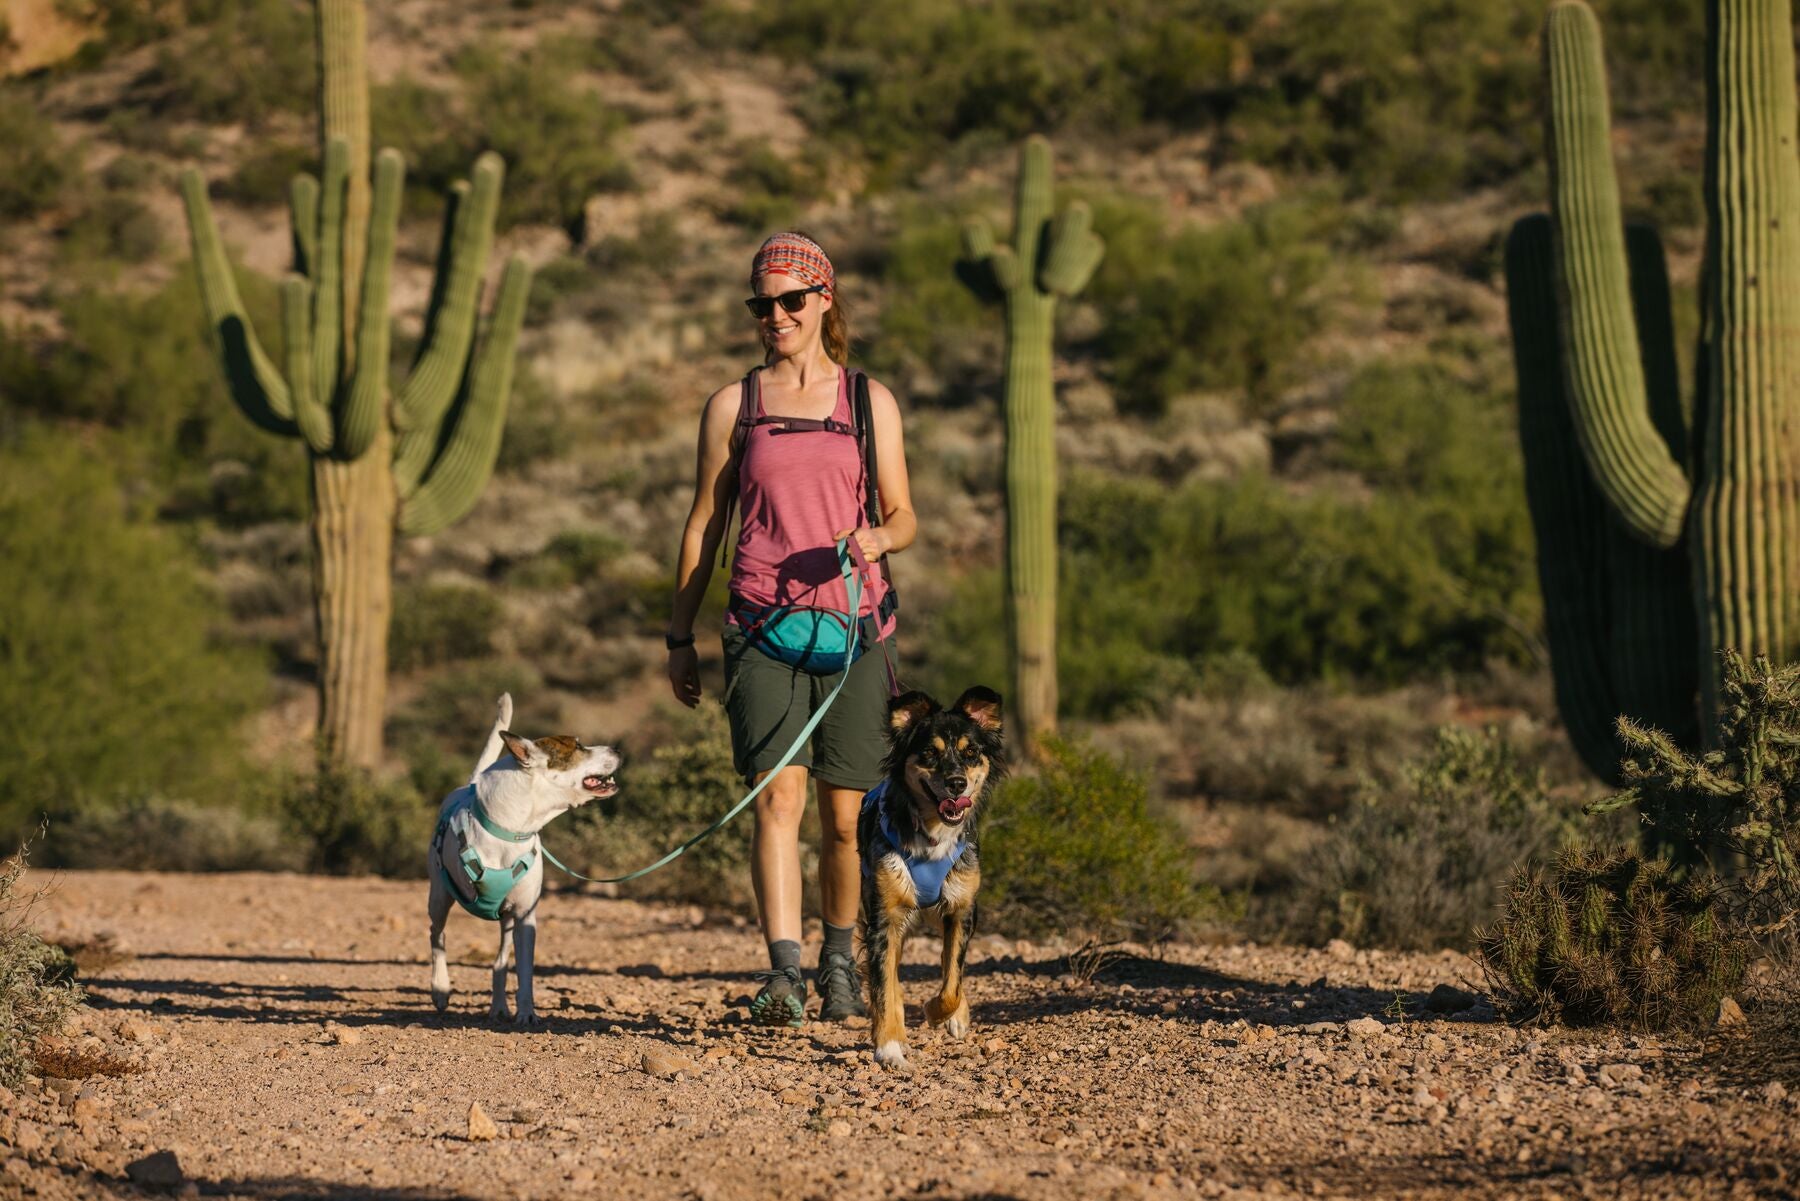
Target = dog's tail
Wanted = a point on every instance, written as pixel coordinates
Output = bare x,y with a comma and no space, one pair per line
494,746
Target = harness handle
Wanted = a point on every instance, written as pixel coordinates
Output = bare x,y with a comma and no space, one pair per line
854,565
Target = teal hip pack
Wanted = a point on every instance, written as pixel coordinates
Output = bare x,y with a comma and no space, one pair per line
816,641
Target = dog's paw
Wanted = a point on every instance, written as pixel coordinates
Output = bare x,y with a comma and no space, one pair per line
892,1057
528,1020
955,1021
440,999
499,1013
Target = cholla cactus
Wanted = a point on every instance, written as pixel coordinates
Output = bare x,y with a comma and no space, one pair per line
415,464
1052,255
1612,938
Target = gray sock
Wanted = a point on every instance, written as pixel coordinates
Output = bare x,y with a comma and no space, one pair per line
784,953
837,941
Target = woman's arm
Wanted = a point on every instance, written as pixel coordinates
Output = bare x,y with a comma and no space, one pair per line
898,524
714,479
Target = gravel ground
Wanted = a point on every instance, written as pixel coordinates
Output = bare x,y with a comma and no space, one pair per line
273,1038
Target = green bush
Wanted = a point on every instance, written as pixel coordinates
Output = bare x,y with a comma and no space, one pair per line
440,733
355,825
686,785
109,670
33,165
1226,306
557,135
35,993
1611,938
248,61
442,623
1077,849
765,191
1421,864
573,556
930,323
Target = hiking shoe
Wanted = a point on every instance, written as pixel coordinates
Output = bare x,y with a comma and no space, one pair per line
782,1001
840,989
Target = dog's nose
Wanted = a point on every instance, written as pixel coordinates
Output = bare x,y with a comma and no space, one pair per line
957,784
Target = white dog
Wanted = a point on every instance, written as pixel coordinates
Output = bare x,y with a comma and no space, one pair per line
486,856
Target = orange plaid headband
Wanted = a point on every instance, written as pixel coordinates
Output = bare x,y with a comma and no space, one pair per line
795,255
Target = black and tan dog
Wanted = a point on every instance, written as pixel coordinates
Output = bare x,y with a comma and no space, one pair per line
918,844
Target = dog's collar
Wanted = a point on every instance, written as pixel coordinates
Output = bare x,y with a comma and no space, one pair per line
488,824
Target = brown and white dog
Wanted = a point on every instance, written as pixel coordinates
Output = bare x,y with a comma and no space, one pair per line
917,838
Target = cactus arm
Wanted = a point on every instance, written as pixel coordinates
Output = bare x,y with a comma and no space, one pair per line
987,270
461,471
255,384
1568,513
296,327
303,205
1074,252
1641,480
450,324
1032,204
367,396
328,277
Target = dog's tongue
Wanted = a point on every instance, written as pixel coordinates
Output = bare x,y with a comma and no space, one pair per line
951,808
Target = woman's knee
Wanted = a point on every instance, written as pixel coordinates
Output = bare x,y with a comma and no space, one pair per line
783,802
838,822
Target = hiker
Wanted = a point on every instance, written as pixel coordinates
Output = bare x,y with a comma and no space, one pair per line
785,445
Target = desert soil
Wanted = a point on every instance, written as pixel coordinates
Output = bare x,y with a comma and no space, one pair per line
282,1045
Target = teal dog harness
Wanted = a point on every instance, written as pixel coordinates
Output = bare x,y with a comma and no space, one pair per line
928,875
490,885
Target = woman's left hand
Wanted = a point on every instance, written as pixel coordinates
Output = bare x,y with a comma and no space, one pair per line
875,543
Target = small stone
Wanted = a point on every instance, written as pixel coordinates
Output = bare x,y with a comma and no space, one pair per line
481,1127
135,1031
1364,1027
994,1046
529,1114
1340,950
1068,980
1730,1015
1774,1091
838,1130
1447,999
158,1170
1593,1098
666,1065
1618,1073
793,1096
29,1139
342,1036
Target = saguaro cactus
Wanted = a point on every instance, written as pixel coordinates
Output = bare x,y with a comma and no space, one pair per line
1735,500
1050,256
415,464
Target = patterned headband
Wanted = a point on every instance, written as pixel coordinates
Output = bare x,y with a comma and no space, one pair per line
796,255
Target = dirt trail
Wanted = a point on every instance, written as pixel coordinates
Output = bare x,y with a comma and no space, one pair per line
287,1049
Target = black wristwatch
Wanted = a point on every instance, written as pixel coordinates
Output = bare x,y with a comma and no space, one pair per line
675,644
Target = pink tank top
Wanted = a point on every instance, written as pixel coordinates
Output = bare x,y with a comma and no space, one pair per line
796,489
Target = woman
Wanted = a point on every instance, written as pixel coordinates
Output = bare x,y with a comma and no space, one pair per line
798,494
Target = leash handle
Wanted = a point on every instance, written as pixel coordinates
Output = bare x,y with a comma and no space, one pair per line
853,564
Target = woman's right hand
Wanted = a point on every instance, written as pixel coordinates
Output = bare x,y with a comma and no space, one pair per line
684,675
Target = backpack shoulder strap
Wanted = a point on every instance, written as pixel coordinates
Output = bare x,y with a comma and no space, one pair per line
862,420
749,400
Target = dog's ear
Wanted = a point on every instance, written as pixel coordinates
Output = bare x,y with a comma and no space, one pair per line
981,706
908,709
521,749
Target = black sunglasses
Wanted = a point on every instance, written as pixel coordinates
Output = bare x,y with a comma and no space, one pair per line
793,302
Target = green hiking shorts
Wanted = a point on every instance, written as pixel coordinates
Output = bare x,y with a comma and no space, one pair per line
768,703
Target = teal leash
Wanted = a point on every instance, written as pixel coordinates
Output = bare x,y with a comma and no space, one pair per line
852,563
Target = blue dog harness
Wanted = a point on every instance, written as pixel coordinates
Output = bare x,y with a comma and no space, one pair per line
491,885
928,875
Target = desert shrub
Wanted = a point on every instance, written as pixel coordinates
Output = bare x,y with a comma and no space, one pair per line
33,166
104,620
350,824
1076,848
932,332
1225,306
36,988
687,783
556,134
1612,938
261,177
111,225
247,61
653,245
442,623
570,557
1420,864
764,190
158,833
142,364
